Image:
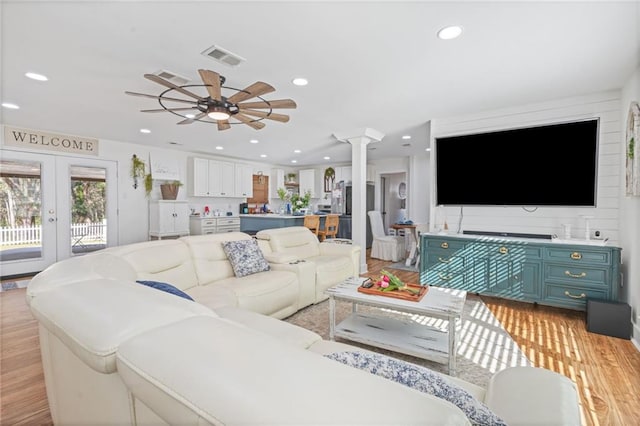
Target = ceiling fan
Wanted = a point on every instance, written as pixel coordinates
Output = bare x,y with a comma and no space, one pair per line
217,108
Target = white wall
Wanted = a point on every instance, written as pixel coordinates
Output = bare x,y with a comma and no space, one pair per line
546,220
630,220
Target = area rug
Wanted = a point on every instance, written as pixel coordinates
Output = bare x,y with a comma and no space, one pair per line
403,267
484,346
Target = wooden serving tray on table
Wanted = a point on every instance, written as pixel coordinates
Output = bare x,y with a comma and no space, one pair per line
398,294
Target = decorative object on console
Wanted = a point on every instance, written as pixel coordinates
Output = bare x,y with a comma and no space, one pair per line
245,257
633,150
216,108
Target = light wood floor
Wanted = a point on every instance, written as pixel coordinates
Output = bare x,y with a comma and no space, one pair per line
605,369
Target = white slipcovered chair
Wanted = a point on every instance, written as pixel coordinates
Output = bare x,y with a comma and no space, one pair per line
385,247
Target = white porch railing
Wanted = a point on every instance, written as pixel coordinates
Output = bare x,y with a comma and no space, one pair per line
24,235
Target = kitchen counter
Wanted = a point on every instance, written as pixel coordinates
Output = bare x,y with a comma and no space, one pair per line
252,223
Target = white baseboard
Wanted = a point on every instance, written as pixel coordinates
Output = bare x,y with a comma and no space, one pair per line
635,339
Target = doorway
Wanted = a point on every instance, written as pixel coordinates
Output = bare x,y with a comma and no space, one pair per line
393,201
54,207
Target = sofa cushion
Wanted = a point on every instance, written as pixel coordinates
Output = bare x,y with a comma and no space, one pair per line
165,287
294,240
245,257
422,379
210,260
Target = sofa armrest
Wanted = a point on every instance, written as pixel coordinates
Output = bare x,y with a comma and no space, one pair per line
351,250
276,257
306,273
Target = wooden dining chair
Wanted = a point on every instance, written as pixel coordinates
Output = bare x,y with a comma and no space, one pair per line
330,229
312,221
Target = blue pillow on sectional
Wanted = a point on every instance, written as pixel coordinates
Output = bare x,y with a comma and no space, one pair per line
165,287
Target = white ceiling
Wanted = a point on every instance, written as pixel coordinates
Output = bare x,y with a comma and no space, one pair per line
369,64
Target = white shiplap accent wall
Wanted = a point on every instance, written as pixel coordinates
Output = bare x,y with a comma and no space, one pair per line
544,220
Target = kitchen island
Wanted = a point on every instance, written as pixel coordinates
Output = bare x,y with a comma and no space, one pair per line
252,223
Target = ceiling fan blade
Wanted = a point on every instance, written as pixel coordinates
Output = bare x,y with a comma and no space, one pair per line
258,88
170,85
271,116
223,125
191,120
168,109
212,81
163,98
279,103
248,121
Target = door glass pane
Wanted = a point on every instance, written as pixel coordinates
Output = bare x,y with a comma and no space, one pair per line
88,209
20,210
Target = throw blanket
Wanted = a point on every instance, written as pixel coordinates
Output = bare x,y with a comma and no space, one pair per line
422,379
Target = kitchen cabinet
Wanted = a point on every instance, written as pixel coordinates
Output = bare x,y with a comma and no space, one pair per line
243,181
277,181
168,218
213,225
307,181
343,173
211,178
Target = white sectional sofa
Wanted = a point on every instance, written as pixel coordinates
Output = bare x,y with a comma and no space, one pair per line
116,352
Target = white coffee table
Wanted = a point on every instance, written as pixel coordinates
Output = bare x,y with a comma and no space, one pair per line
408,336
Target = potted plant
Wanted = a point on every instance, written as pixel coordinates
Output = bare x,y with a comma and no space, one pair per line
137,169
170,189
148,184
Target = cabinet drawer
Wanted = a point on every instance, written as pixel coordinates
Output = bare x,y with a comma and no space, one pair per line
442,277
228,228
573,296
229,221
576,274
587,255
443,260
204,223
514,252
443,244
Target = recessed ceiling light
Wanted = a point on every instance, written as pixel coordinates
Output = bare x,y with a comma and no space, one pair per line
145,131
299,81
263,155
294,161
297,151
190,115
10,106
449,33
327,158
253,141
406,137
219,148
427,149
34,76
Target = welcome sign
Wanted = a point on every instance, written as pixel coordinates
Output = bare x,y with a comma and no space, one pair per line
49,141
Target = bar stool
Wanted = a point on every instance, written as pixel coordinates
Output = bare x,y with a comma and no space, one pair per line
312,221
330,229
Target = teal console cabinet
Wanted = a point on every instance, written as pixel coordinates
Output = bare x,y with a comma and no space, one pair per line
545,272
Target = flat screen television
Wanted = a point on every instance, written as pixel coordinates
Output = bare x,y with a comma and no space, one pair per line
548,165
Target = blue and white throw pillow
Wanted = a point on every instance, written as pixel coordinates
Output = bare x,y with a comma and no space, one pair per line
165,287
422,379
245,256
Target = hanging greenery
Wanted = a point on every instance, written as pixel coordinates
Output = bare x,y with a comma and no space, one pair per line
137,169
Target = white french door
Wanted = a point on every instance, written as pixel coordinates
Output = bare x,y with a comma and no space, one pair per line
54,207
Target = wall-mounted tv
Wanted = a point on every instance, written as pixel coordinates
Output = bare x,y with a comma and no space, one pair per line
549,165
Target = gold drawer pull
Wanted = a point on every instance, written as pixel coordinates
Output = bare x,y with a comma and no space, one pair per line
503,250
582,296
576,256
580,275
441,260
445,277
444,245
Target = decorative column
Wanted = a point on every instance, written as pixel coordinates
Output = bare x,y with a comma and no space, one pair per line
359,140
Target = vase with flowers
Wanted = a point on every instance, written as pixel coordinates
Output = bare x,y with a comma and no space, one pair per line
299,202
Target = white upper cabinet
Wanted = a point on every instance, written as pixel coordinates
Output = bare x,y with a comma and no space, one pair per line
244,181
343,173
307,179
211,178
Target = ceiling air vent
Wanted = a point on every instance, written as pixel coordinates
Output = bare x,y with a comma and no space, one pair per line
174,78
224,56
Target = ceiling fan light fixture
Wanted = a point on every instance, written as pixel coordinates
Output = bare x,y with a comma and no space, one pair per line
218,113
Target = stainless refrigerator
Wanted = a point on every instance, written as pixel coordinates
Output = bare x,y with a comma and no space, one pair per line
341,203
